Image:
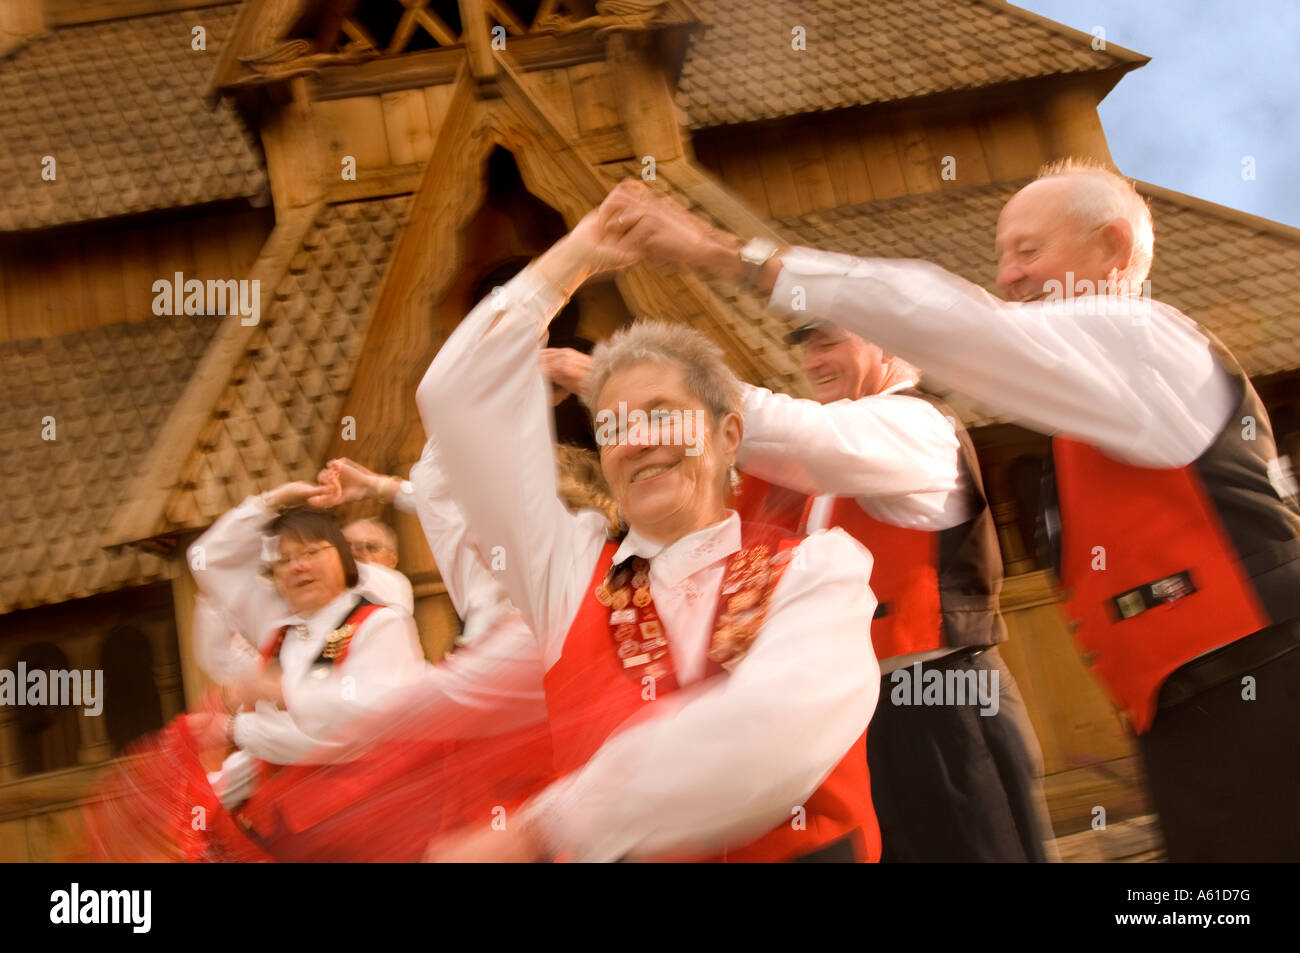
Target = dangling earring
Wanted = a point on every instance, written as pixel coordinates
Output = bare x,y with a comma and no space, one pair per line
734,476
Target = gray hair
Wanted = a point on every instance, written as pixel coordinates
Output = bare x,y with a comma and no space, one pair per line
390,534
1101,195
649,340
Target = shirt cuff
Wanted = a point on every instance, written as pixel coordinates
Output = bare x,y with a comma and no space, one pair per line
800,270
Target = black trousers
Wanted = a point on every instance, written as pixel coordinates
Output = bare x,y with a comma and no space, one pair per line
1224,770
952,784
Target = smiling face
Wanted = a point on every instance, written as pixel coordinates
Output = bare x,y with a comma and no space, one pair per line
842,366
1039,240
674,482
308,573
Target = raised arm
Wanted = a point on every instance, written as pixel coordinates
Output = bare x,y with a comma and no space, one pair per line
227,560
475,592
484,397
1141,384
878,446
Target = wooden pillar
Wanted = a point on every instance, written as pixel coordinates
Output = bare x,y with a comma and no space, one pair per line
292,152
20,19
85,654
1072,126
184,591
644,99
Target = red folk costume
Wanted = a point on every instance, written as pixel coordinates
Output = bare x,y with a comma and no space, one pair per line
936,589
616,661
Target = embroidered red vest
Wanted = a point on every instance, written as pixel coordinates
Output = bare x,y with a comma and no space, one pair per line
590,695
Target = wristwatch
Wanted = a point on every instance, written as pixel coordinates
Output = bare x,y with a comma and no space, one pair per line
756,253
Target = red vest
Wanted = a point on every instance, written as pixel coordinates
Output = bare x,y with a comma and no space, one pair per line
904,573
267,808
590,696
1195,558
1147,526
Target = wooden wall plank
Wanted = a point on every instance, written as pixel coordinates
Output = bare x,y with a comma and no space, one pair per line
880,152
593,98
406,120
812,177
1013,147
51,285
845,163
778,174
552,88
920,164
352,127
436,101
741,173
956,136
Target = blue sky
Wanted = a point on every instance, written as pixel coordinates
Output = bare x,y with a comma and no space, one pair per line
1223,83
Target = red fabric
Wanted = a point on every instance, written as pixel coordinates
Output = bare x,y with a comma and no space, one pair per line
589,670
904,576
1150,524
158,806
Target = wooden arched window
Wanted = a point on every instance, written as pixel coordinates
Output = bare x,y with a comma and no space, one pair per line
131,704
48,734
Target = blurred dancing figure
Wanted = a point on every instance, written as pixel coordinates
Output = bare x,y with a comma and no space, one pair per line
708,682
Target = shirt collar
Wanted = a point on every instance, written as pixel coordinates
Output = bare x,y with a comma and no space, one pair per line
895,388
332,614
686,556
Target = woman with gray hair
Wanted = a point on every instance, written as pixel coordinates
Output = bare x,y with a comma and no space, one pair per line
709,683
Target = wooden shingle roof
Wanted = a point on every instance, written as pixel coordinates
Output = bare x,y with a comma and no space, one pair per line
743,67
276,405
118,105
1236,274
108,392
112,391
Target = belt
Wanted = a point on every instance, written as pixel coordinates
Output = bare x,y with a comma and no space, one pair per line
1230,662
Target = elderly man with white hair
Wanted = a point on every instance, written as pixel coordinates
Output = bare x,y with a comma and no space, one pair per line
1177,530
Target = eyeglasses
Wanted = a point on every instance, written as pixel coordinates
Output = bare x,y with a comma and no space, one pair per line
310,553
370,547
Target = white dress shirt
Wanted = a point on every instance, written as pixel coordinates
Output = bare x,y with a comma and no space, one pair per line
728,758
1143,386
492,682
896,455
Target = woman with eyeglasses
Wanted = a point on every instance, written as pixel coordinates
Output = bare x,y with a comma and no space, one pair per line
709,683
328,653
